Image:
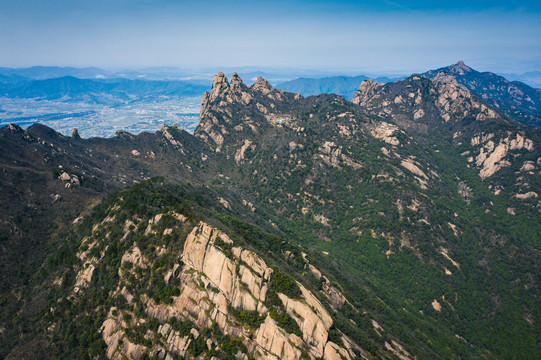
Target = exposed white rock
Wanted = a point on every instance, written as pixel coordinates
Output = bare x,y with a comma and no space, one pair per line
408,164
135,257
84,277
445,253
276,343
412,167
239,154
335,352
398,350
65,176
322,219
528,166
216,274
436,305
492,163
224,202
367,91
385,132
492,157
248,204
520,142
419,113
312,318
528,195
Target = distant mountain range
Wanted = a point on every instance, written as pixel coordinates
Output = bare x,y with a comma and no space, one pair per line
515,99
339,85
532,78
96,85
48,72
97,90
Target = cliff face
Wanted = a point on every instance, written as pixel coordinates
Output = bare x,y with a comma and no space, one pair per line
214,284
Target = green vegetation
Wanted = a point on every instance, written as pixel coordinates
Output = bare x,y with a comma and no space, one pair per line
283,283
249,318
278,313
225,247
323,192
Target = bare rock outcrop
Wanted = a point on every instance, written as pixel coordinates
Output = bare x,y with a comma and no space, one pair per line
367,90
494,154
261,85
216,277
74,134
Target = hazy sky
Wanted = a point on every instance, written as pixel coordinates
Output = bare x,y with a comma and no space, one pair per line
377,35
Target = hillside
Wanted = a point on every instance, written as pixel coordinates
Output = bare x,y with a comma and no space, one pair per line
515,99
407,222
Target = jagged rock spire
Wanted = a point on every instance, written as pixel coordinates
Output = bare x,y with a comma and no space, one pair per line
367,89
219,85
236,83
262,85
228,92
75,134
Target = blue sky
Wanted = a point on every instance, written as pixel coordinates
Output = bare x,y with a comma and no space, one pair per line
365,36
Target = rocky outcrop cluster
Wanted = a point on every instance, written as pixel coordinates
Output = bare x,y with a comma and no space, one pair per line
493,154
69,180
418,100
367,90
216,281
229,102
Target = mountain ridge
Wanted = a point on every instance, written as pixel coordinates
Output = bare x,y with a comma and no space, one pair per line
382,199
517,100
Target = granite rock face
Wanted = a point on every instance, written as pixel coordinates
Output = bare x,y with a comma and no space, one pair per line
215,279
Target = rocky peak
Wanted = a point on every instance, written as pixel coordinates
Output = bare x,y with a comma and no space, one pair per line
514,99
237,85
75,134
13,127
219,85
235,79
460,68
222,95
220,78
230,92
262,85
367,90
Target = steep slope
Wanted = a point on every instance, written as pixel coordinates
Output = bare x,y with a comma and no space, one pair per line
515,99
505,156
48,179
391,187
154,278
